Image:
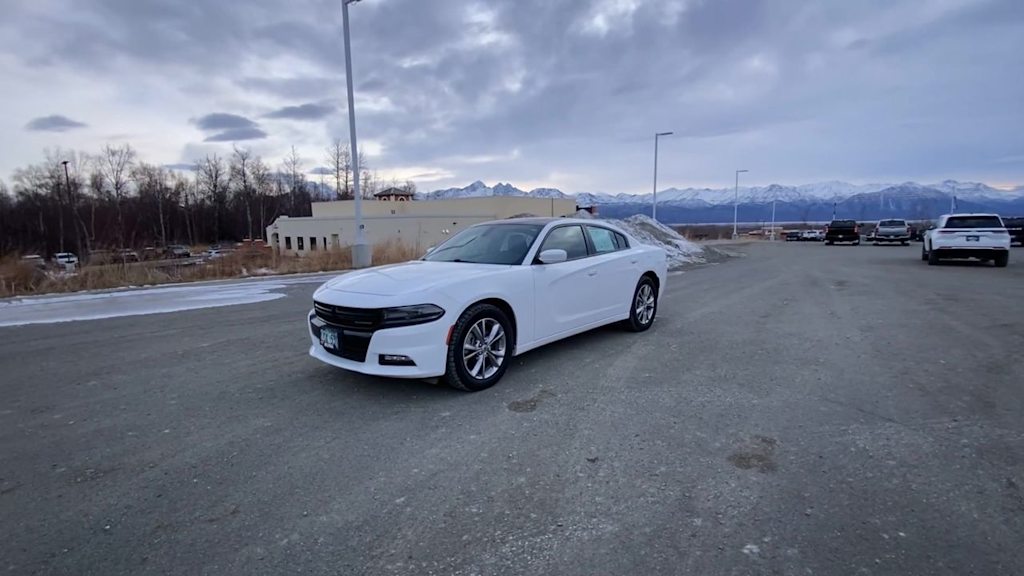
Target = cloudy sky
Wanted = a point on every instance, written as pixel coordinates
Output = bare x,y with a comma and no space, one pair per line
562,93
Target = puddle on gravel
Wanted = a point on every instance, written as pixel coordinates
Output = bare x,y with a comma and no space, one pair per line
530,404
757,454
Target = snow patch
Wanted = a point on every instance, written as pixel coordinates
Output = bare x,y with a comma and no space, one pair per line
680,251
94,306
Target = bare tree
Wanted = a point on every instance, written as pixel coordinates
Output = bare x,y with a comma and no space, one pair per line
263,186
115,164
151,183
339,160
213,182
241,182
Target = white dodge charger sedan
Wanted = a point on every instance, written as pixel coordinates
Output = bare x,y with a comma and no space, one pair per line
486,294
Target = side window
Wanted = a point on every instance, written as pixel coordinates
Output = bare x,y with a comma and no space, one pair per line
621,241
568,238
603,239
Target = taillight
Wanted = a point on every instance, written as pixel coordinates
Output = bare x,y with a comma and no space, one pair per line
947,231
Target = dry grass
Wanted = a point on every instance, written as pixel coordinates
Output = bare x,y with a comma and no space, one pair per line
17,278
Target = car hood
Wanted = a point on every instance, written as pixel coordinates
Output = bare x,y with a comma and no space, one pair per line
409,277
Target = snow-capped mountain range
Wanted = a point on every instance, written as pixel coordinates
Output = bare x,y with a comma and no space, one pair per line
829,191
808,201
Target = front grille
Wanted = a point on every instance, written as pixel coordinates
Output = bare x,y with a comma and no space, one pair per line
363,319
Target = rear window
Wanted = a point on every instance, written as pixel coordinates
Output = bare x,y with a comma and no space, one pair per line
843,224
974,222
892,223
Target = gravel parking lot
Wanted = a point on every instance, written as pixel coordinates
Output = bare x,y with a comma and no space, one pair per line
801,409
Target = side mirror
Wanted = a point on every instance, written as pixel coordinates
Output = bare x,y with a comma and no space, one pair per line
553,256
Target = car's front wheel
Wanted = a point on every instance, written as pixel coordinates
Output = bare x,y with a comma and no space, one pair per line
924,254
480,348
644,305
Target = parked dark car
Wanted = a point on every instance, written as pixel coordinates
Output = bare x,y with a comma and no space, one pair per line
1015,226
842,231
793,236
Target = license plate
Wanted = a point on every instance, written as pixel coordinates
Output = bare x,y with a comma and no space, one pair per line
973,238
329,338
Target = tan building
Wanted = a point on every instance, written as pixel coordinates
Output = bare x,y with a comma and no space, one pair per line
419,224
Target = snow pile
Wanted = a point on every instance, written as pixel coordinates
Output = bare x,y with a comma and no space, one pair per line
648,231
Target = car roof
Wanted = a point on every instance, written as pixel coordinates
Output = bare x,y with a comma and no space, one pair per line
969,214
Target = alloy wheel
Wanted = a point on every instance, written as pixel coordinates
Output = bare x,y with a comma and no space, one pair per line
483,349
644,305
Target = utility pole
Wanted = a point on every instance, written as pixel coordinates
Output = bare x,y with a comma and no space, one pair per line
362,256
736,206
654,204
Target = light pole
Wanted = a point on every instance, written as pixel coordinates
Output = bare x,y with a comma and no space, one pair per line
736,205
654,207
361,255
773,219
60,205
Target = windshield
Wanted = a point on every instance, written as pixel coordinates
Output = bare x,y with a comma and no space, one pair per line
973,222
488,244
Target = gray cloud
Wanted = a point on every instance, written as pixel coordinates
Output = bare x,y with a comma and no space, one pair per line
53,123
237,134
309,111
224,121
794,90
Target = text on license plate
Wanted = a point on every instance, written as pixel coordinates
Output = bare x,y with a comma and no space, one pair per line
973,238
329,338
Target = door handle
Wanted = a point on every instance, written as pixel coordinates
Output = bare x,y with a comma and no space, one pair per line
633,261
594,273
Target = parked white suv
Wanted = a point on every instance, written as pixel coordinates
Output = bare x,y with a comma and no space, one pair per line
980,236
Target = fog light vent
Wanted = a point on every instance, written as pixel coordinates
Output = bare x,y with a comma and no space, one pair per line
395,360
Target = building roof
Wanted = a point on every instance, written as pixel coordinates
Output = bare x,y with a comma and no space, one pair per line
394,192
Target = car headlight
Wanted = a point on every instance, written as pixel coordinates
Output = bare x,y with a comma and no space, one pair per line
410,315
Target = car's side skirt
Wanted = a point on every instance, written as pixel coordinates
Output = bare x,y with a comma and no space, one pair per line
561,335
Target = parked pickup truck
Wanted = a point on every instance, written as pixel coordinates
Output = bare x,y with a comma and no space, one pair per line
1015,226
980,236
891,231
842,231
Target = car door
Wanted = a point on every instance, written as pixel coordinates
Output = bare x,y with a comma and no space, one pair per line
616,272
566,294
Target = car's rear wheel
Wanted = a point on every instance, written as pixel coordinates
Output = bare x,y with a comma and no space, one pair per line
933,257
480,348
644,305
1002,260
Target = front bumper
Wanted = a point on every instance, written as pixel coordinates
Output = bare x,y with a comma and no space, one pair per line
425,344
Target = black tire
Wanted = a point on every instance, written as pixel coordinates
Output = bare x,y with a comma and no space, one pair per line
1002,260
458,374
644,305
924,254
903,243
933,257
829,243
857,243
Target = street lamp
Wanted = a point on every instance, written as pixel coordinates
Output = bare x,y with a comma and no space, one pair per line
736,205
60,205
361,254
654,207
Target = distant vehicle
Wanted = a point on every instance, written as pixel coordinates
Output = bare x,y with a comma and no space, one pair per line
485,295
842,231
177,251
150,253
1015,227
215,253
65,259
980,236
917,232
34,260
812,236
793,236
126,255
891,231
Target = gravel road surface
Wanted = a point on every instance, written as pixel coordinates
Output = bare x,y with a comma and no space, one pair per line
801,409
